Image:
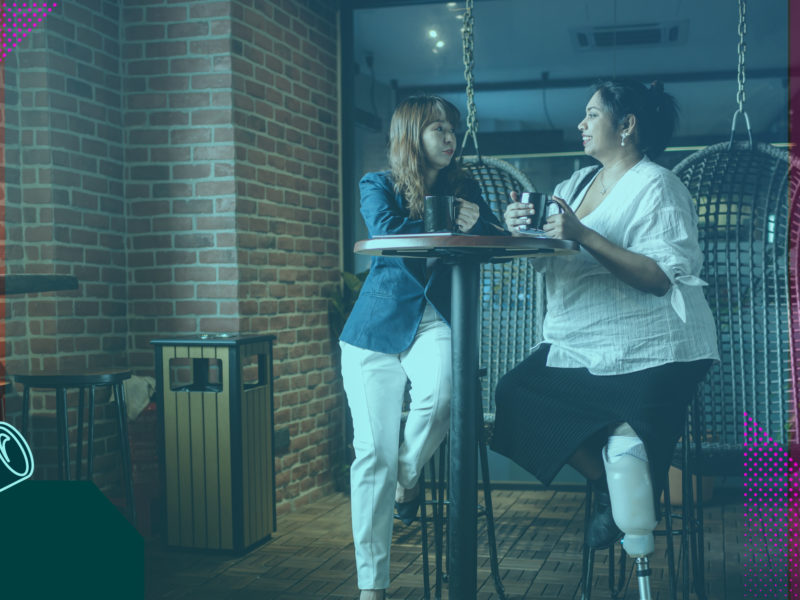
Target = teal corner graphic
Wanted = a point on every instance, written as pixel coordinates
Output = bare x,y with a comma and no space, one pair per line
16,458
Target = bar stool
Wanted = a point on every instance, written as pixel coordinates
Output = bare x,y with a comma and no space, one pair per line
4,385
61,381
439,503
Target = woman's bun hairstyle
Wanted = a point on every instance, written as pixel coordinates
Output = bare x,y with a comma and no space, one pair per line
656,111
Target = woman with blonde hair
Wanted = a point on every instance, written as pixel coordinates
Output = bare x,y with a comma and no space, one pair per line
399,334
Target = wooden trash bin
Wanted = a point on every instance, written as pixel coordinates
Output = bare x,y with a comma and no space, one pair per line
216,414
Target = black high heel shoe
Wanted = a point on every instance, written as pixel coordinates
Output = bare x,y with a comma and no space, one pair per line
407,511
602,531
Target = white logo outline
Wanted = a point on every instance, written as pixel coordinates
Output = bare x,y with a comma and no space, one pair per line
7,434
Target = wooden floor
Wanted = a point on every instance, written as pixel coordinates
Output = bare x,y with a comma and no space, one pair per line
539,535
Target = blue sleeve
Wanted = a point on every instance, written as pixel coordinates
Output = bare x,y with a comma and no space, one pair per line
385,214
383,210
485,223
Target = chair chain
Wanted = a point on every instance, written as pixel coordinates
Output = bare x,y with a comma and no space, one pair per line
741,78
741,49
468,44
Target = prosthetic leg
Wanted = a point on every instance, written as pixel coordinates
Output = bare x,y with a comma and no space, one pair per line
631,493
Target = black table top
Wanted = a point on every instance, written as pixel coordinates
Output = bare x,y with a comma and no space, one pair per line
214,339
31,284
433,244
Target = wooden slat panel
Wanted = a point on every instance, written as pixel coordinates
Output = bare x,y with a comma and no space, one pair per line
258,455
255,482
212,483
258,463
170,448
184,469
271,458
224,432
263,454
198,446
185,504
266,454
247,474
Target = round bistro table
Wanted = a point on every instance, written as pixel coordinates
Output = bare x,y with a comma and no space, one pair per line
465,253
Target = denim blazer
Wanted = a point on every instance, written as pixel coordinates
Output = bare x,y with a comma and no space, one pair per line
390,306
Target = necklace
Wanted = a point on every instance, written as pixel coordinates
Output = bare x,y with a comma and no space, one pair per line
601,177
602,183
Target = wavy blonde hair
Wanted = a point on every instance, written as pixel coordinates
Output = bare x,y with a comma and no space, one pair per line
406,156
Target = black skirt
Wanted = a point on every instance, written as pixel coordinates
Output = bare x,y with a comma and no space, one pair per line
545,413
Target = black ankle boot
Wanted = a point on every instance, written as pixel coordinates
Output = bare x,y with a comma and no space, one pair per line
602,531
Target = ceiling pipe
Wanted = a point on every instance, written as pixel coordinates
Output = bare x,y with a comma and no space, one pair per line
359,4
585,82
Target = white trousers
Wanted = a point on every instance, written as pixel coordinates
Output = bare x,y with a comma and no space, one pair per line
375,384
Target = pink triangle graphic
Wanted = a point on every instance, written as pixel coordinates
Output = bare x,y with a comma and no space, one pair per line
771,536
17,20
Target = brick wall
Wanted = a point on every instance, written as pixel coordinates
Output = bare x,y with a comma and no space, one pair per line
188,175
64,207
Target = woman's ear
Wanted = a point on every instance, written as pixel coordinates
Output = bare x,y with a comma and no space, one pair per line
628,124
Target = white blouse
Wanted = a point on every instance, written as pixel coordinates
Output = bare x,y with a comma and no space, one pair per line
595,320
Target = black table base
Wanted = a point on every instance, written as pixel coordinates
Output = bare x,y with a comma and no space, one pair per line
465,253
463,529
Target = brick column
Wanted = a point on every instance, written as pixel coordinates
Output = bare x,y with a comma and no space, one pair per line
287,204
179,172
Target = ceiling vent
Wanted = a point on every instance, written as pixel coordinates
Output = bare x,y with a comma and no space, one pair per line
616,36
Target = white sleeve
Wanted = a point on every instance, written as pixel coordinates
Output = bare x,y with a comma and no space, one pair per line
664,228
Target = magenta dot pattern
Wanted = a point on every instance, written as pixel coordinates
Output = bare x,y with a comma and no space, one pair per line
19,20
770,506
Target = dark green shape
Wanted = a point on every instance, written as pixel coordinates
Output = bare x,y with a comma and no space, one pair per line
64,539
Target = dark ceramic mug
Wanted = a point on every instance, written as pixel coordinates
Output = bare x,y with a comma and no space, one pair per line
540,204
440,213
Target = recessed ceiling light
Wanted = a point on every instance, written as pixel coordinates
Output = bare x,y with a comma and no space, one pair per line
432,33
440,44
451,4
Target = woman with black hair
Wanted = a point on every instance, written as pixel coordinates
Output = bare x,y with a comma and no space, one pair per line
628,334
